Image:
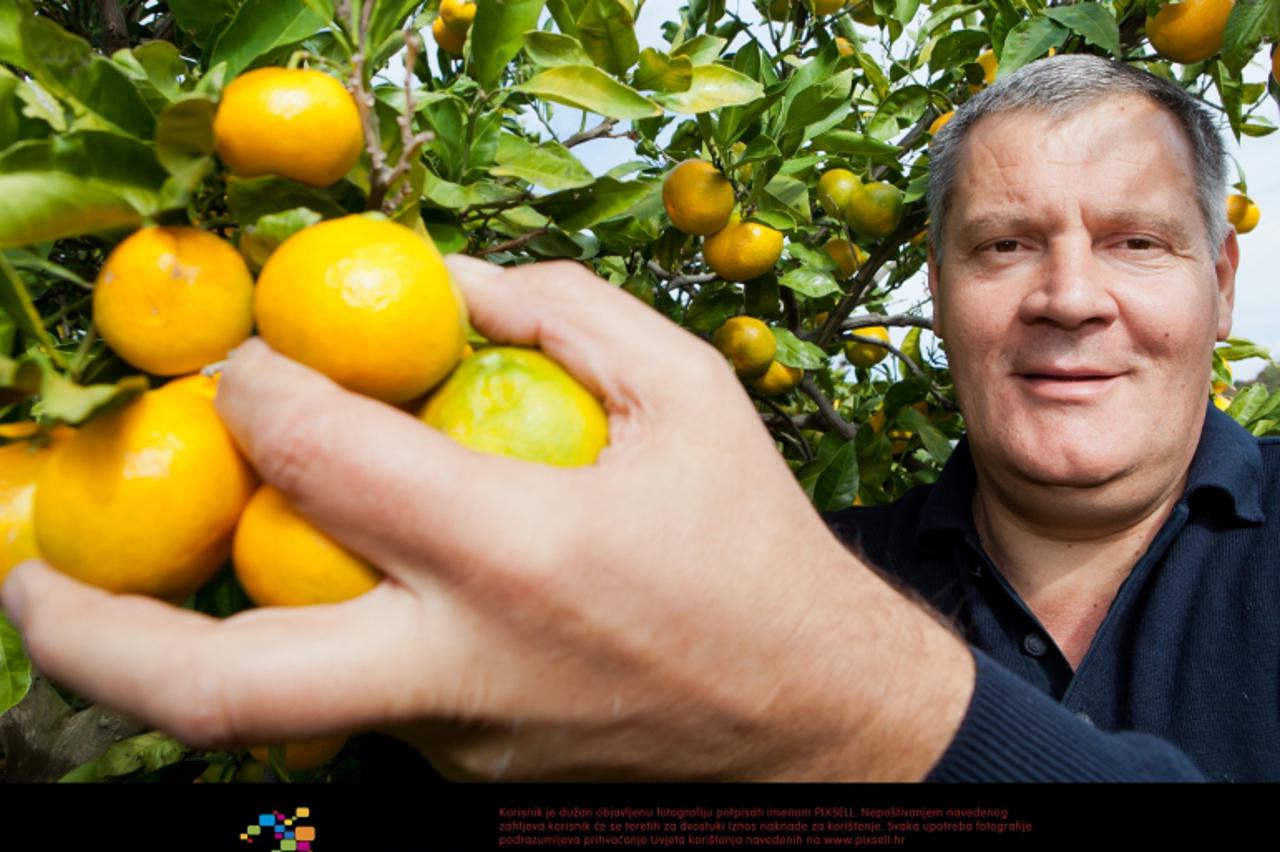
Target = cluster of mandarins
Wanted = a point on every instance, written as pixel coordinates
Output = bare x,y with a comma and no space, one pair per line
451,27
152,496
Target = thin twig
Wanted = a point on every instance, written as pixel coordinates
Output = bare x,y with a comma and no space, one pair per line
791,427
604,128
682,282
943,401
846,430
527,237
887,320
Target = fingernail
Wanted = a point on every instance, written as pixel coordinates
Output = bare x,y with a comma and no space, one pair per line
467,266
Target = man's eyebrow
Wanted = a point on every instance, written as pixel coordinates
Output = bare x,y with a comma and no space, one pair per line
998,222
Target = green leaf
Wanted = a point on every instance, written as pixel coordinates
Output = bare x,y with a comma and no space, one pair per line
818,101
1029,41
202,18
849,142
943,18
260,26
874,75
16,302
164,66
831,480
575,209
85,773
661,72
711,306
565,13
1246,25
1237,349
551,49
388,20
811,73
259,240
548,165
712,87
1091,21
498,34
587,87
795,352
63,399
148,752
10,40
68,67
15,666
758,150
607,31
1247,403
955,48
701,50
810,282
905,10
447,119
935,443
249,199
184,139
903,106
790,194
1257,129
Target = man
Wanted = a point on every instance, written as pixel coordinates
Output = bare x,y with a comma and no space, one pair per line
679,610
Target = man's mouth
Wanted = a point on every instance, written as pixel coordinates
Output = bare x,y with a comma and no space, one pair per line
1067,383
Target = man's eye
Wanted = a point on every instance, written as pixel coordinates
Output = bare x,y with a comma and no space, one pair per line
1004,246
1138,244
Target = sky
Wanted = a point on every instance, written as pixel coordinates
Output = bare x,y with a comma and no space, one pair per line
1257,308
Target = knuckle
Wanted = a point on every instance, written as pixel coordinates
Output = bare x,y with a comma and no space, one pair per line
197,707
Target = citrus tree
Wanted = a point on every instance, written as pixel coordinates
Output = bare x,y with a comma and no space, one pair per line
771,199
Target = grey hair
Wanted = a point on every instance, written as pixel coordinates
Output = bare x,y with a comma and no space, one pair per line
1057,86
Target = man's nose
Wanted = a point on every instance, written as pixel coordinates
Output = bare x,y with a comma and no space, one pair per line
1072,287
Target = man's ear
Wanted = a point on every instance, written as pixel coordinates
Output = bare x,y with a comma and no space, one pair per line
1225,274
934,274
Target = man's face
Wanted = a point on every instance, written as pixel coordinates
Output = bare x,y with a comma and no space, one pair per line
1078,296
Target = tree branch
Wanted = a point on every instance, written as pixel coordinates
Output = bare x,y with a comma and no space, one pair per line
116,29
846,430
943,402
896,320
527,237
604,128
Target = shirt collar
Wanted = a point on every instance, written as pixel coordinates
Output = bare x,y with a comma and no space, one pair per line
1226,469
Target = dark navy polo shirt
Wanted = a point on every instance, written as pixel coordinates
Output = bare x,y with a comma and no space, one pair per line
1182,679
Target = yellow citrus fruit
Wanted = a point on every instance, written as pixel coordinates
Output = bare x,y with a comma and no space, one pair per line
828,7
367,302
197,383
874,209
517,402
941,121
847,255
20,466
698,198
867,354
170,300
741,250
293,122
834,189
303,755
1242,213
987,59
778,379
1189,31
449,39
843,46
748,343
144,499
778,10
1221,402
457,14
282,560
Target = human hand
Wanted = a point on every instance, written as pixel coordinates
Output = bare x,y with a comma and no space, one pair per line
677,610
